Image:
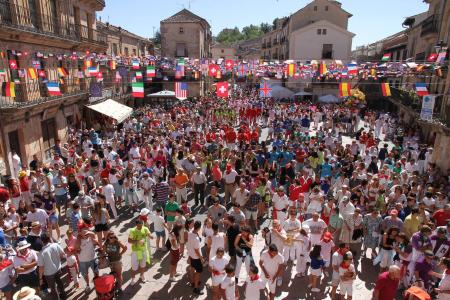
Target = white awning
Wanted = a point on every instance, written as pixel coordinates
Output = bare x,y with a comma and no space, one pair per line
112,109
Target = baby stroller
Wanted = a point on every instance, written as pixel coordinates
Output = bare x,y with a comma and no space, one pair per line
106,287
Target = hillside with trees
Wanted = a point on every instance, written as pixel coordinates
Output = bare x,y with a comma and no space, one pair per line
230,36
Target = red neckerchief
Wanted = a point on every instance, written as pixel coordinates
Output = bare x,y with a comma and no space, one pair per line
24,256
343,266
447,272
4,264
341,251
254,278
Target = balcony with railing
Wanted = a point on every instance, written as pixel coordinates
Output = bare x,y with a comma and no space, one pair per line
34,92
430,25
15,17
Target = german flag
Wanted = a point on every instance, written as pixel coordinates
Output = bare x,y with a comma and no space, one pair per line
8,89
323,69
32,74
385,89
344,89
62,72
291,70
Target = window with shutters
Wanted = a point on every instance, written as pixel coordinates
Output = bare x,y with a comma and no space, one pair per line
327,51
48,137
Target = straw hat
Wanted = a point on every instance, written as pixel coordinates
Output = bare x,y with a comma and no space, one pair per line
22,245
24,293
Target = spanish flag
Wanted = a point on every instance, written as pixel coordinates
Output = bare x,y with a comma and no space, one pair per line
323,69
8,89
385,89
32,73
112,64
87,64
291,70
344,89
62,72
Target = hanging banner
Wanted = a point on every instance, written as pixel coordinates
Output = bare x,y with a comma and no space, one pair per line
427,107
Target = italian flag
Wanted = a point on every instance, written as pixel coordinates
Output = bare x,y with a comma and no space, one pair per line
151,72
138,89
386,57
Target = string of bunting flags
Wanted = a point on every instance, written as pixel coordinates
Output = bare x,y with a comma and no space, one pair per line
15,65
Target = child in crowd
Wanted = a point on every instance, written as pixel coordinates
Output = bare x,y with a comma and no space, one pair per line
317,265
159,225
327,245
228,285
347,276
72,266
254,284
186,209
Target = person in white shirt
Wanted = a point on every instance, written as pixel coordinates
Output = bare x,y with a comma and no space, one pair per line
303,247
37,215
217,266
25,263
347,276
240,195
280,202
146,183
336,261
228,285
254,284
327,245
272,265
134,153
195,256
108,191
292,227
316,227
229,177
159,226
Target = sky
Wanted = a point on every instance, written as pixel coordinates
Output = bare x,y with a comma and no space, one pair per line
372,19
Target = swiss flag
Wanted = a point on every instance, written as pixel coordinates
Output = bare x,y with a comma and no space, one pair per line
229,64
213,68
41,74
432,57
222,89
13,64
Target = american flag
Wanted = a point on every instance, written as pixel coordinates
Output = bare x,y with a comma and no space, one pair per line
181,90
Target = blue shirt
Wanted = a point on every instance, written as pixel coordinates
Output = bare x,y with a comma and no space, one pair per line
50,258
317,263
273,156
326,170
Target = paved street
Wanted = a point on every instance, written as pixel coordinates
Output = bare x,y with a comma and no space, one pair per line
158,286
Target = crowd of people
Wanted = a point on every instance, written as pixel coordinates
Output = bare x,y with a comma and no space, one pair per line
319,184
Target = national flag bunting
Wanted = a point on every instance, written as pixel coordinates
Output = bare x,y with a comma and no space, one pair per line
432,57
222,89
32,74
291,70
135,64
323,69
178,72
219,74
13,64
87,64
138,75
352,69
3,72
229,64
42,74
242,70
181,89
151,72
53,89
112,64
8,89
93,71
385,89
421,89
138,89
386,57
212,70
62,72
344,89
265,89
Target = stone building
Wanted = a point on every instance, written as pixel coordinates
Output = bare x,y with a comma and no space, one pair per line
223,51
185,35
123,42
43,33
317,31
249,49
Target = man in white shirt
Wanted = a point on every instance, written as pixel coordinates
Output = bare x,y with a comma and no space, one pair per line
292,227
228,285
280,202
199,181
37,215
316,227
134,153
240,195
146,183
109,192
25,263
272,265
229,177
195,256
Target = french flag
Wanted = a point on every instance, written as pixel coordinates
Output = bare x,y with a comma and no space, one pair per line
352,69
421,89
53,89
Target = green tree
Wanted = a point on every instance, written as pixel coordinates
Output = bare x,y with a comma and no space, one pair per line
265,27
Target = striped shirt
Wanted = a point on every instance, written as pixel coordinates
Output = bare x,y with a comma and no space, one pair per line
161,191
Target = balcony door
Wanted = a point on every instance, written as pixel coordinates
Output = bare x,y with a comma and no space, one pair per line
327,51
32,6
48,137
